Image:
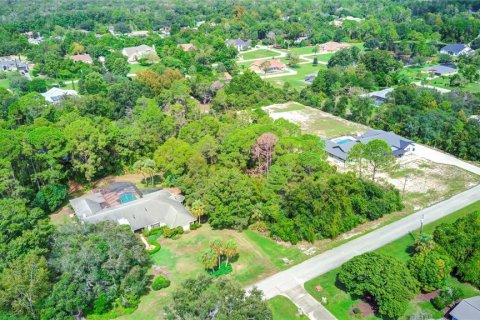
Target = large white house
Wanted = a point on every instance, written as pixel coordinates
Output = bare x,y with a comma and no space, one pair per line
123,203
456,49
135,53
55,95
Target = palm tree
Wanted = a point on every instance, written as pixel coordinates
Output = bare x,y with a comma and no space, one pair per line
198,209
209,259
230,249
217,246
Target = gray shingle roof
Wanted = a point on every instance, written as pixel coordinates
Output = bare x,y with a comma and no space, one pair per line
467,309
440,69
454,47
156,208
396,142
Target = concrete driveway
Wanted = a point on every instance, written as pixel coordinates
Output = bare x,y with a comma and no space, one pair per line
445,158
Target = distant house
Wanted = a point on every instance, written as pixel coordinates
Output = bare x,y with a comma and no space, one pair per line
271,35
300,39
272,65
55,95
309,78
135,53
332,46
467,309
187,47
379,97
238,44
339,148
227,77
13,64
123,203
141,34
440,70
456,49
85,58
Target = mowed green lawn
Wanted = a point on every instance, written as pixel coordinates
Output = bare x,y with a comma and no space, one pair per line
180,259
134,68
259,54
284,309
297,81
5,83
340,303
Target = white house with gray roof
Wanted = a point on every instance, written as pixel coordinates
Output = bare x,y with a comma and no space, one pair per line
238,44
380,96
338,149
123,203
467,309
134,54
456,49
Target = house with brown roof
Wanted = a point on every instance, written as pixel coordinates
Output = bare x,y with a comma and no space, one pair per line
332,46
187,47
85,58
272,65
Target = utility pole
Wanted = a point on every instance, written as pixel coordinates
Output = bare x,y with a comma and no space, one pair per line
421,224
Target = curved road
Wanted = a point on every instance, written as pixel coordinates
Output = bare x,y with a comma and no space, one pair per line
290,282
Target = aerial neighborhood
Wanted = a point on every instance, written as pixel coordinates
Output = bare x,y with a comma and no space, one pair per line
260,160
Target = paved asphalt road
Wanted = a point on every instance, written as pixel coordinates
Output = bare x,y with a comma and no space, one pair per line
287,280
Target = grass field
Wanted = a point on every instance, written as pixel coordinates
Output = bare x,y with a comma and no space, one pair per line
134,68
5,83
473,87
259,54
180,259
284,309
297,81
340,302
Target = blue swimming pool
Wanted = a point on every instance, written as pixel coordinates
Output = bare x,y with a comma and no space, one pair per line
344,141
127,197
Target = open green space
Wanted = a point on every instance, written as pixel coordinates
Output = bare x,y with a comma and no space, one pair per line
444,82
259,54
284,309
134,68
297,80
179,259
5,83
340,303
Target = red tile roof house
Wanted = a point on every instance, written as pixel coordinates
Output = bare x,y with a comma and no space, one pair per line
271,66
332,47
85,58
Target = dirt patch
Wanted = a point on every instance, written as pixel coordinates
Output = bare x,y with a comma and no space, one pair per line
363,309
427,296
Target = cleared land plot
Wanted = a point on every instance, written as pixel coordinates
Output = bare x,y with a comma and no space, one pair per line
427,182
340,303
284,309
180,259
259,54
314,121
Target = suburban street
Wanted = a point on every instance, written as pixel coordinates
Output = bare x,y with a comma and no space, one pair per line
282,282
290,282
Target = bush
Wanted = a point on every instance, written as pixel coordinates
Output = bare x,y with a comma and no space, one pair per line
195,226
225,268
446,297
171,233
156,245
160,282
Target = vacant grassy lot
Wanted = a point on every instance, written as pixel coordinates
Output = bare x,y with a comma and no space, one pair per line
315,121
340,303
284,309
180,259
259,54
444,82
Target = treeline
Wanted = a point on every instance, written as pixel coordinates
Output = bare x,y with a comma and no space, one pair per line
452,251
384,21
